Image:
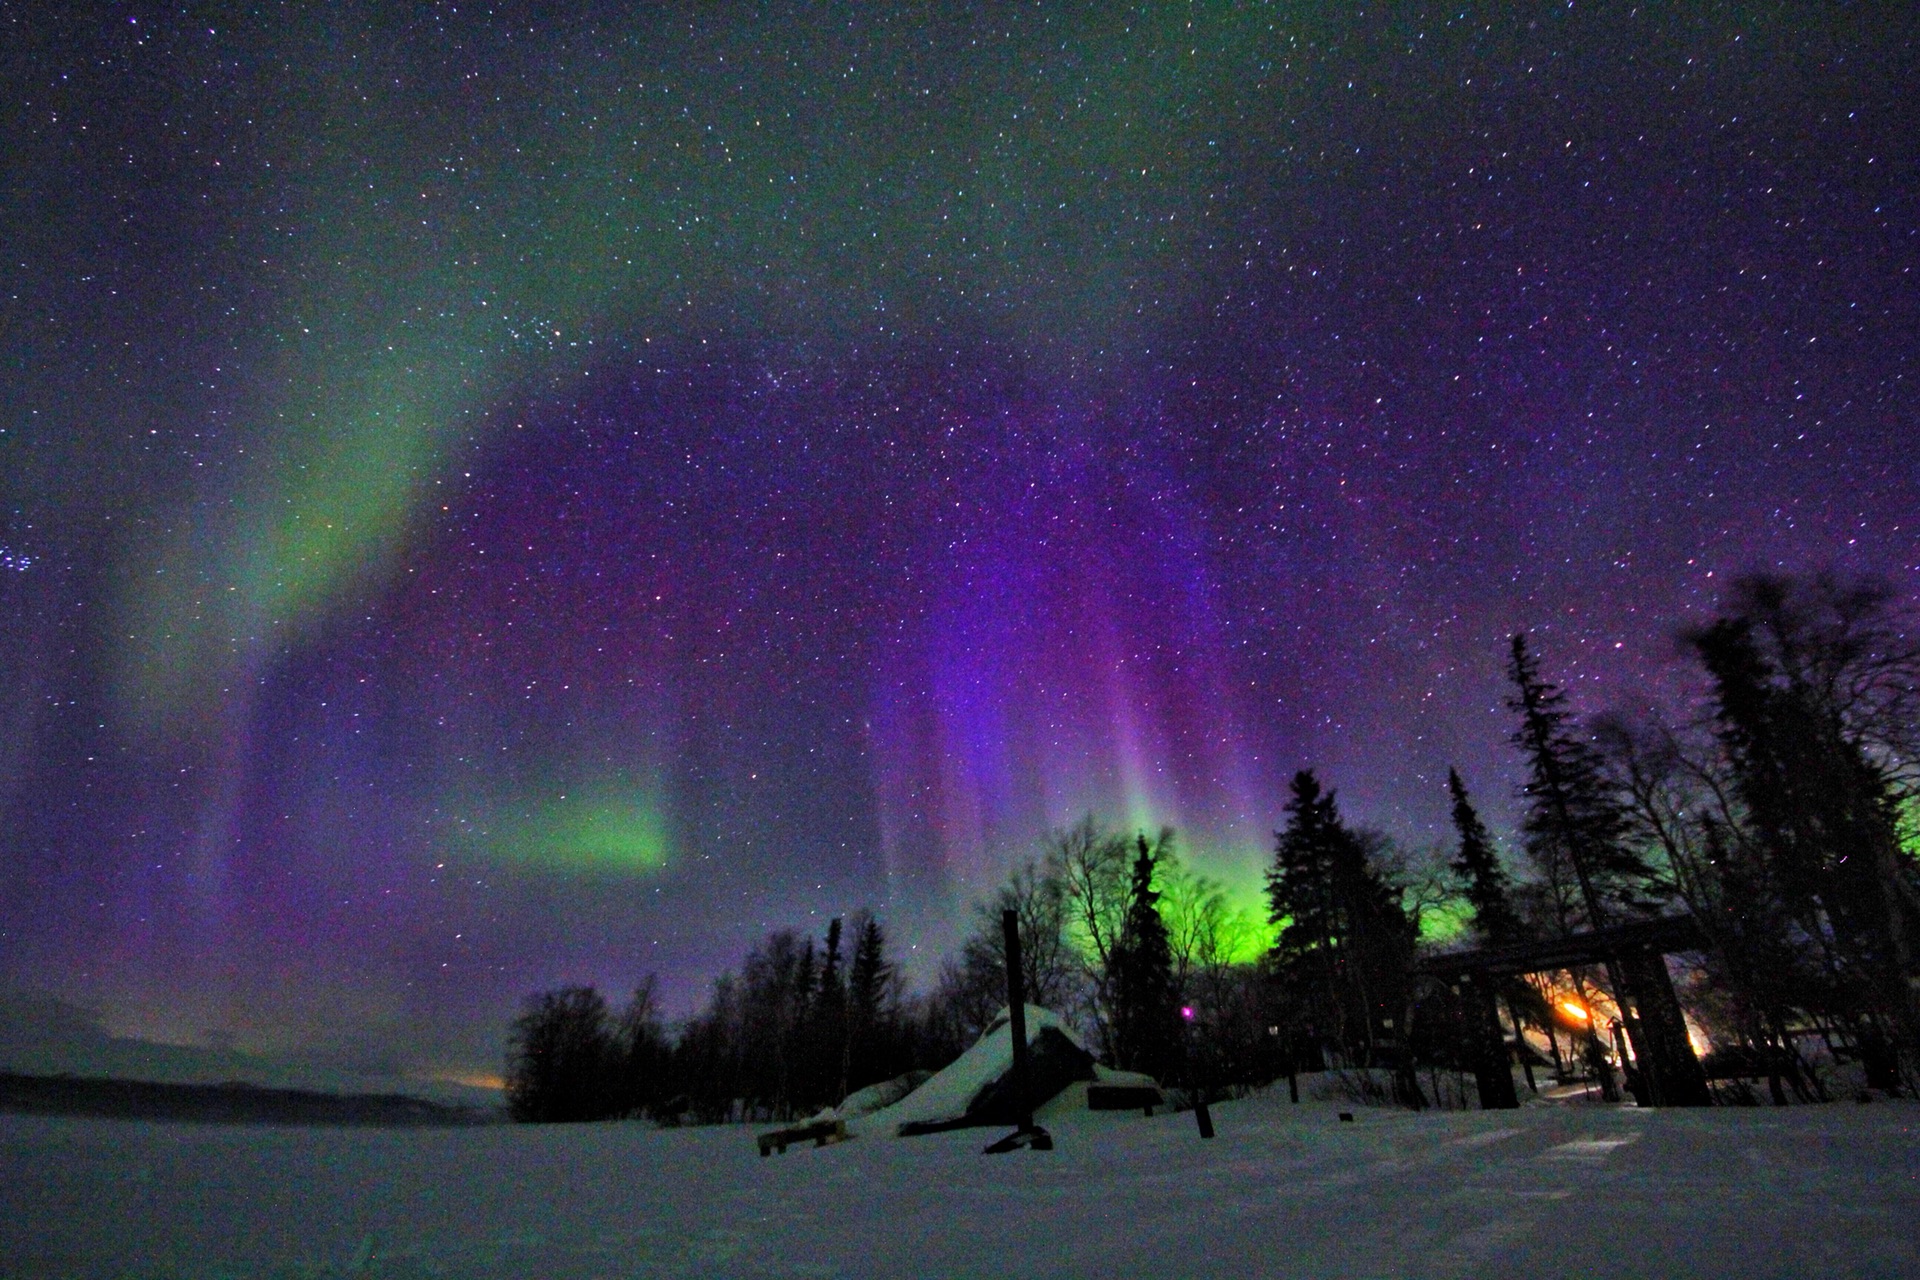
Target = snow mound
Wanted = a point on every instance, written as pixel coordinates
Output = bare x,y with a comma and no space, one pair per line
976,1087
866,1101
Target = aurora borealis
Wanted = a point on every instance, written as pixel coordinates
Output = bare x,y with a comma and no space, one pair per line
503,496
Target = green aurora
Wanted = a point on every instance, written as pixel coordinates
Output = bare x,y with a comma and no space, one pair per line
421,289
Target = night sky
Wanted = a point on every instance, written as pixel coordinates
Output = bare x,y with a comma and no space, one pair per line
499,497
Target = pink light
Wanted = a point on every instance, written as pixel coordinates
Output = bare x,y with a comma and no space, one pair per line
1186,1011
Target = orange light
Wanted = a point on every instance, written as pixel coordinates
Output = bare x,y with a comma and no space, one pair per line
1573,1011
471,1079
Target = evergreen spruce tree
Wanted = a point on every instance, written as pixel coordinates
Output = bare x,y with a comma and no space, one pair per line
1477,870
1575,835
1484,882
1377,952
1574,827
1299,884
1147,1030
1300,903
831,980
827,1027
803,983
1343,957
868,1056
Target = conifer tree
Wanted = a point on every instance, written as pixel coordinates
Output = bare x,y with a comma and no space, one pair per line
1343,958
1484,882
1300,901
1298,886
871,972
803,985
826,1037
1477,870
1574,828
867,1056
1147,1027
1575,835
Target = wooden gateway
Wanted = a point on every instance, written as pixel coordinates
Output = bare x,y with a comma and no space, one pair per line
1634,955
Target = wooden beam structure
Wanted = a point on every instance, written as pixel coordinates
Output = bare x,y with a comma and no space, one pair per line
1669,1072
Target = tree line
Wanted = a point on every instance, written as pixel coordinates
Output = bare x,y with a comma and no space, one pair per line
1779,810
799,1027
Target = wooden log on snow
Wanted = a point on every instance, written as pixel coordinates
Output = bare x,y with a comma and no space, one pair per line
821,1133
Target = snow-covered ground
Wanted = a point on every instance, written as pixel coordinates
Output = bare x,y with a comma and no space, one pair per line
1558,1191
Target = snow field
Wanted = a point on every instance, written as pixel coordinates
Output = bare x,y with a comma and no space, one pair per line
1283,1191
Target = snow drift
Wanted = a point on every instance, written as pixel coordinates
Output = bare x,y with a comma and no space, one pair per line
977,1088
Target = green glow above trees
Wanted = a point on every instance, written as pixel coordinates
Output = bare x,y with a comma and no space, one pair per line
605,832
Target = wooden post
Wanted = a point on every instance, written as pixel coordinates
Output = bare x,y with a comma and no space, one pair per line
1665,1053
1520,1044
1196,1070
1017,1015
1491,1071
1028,1134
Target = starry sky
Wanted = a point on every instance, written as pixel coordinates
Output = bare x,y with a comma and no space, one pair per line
501,496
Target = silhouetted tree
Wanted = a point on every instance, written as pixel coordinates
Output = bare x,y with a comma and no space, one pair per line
777,991
708,1058
563,1059
1478,873
1483,881
1573,828
973,988
1762,971
1090,863
642,1054
1343,960
1146,1010
825,1044
871,1053
1815,689
1218,970
1300,896
1575,833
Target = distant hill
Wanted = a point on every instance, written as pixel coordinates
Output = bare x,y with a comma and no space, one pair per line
232,1102
42,1037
